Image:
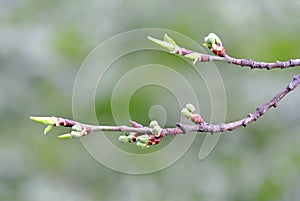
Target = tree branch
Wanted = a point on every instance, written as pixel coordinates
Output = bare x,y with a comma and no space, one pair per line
214,43
146,136
205,127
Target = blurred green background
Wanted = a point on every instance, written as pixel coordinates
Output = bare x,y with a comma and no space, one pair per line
42,46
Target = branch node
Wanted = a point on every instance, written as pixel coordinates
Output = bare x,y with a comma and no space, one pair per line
222,127
290,87
135,124
283,65
296,78
179,125
260,111
244,124
291,63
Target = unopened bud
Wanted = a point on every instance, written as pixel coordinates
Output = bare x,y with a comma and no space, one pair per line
124,139
197,119
143,138
166,45
169,39
186,113
156,130
153,123
190,107
65,136
45,120
47,129
141,145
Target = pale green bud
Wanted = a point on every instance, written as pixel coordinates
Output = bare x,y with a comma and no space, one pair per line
190,107
153,123
143,138
156,130
141,145
194,56
186,113
124,139
169,39
166,45
65,136
212,41
76,134
47,129
45,120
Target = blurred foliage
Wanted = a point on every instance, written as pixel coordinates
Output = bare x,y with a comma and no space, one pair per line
44,43
68,43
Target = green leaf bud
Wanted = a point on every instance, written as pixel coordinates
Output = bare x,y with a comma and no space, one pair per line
166,45
124,139
212,41
45,120
65,136
156,130
47,129
169,39
186,113
153,123
190,107
143,138
141,145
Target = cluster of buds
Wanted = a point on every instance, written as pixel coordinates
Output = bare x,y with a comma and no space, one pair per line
157,134
128,137
78,130
214,43
170,45
145,140
190,113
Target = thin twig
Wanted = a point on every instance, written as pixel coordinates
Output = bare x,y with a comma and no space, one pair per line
215,45
256,64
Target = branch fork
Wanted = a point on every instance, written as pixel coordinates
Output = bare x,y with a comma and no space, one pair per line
152,134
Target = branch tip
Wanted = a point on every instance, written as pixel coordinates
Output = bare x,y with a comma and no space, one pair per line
164,44
44,120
